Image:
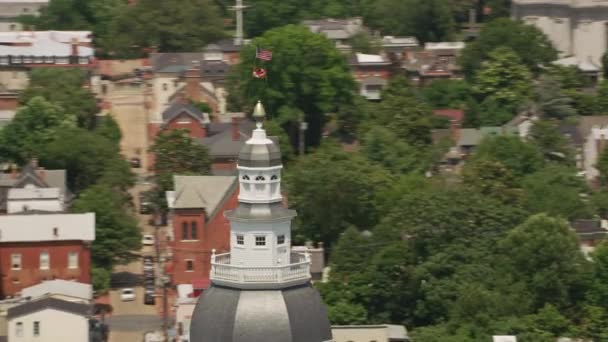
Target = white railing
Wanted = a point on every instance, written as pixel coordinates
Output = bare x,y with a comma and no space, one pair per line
298,271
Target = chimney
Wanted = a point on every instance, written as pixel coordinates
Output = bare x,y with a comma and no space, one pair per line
74,44
193,82
236,134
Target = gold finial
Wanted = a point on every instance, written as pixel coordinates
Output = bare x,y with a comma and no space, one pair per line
258,112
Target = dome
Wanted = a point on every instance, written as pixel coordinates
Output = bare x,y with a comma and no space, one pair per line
294,314
260,154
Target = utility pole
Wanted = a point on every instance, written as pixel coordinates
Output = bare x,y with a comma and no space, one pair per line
303,126
238,8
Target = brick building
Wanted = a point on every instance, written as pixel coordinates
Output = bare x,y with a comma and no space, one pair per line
199,226
371,72
37,247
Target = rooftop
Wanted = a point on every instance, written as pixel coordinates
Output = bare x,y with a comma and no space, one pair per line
206,192
48,303
444,46
362,58
59,287
178,108
52,227
34,193
44,43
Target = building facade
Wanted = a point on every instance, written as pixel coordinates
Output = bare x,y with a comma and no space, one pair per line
35,248
575,27
199,225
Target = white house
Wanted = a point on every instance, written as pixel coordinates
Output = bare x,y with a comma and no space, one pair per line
366,333
32,198
49,320
70,291
576,28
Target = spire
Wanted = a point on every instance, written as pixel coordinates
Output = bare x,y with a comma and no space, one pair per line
259,114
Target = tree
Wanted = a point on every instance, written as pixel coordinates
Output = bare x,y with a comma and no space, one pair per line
528,42
175,153
109,128
551,101
602,167
307,78
332,190
605,64
365,43
543,253
34,126
403,113
556,190
518,156
448,94
100,278
492,178
427,20
63,87
551,143
350,254
169,26
86,156
345,313
503,78
383,147
598,291
116,231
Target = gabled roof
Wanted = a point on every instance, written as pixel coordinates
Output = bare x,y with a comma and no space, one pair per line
36,227
202,192
59,287
48,303
177,108
162,60
220,141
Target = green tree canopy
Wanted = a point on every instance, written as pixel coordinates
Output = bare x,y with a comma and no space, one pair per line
518,156
543,253
551,143
528,42
307,77
504,79
331,190
34,126
116,231
63,87
170,26
551,101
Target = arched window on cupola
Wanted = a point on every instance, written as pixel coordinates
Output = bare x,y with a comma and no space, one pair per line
245,177
274,177
260,178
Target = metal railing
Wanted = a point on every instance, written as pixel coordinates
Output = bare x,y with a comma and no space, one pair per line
222,271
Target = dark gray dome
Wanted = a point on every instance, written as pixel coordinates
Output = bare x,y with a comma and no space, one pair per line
260,155
293,314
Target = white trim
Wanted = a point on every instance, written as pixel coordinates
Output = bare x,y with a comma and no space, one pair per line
256,169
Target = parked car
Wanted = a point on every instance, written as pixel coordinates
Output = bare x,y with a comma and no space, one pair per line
145,206
127,294
149,299
147,240
135,162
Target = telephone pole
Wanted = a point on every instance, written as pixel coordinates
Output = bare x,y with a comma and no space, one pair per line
238,8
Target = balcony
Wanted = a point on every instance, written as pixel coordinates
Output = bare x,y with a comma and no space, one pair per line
270,277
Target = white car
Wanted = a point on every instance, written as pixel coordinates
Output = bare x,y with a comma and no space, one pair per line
148,240
127,295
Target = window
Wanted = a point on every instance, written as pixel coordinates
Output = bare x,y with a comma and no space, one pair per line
245,177
189,266
3,60
25,10
13,27
27,59
62,60
274,177
193,232
165,87
281,239
55,231
83,60
19,329
16,60
260,240
36,328
44,260
240,239
184,231
48,59
16,261
73,260
260,178
38,60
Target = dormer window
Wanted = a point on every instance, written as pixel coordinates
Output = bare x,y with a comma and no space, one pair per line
260,178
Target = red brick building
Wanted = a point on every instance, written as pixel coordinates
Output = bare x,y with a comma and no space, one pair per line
199,226
371,72
185,116
38,247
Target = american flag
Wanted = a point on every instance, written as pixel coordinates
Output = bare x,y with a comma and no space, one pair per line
265,55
